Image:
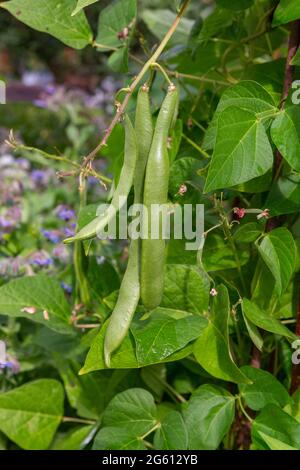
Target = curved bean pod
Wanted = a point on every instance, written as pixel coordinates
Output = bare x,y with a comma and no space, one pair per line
156,192
122,190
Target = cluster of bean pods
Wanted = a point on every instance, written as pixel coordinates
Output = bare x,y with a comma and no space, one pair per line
146,167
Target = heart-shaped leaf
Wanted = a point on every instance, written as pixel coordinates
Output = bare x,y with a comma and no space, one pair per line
30,414
242,147
53,17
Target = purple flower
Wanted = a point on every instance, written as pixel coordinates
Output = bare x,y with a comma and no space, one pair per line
50,89
40,103
11,267
6,223
69,232
7,362
23,163
39,177
68,289
92,180
40,78
51,235
13,365
10,219
41,258
61,252
65,213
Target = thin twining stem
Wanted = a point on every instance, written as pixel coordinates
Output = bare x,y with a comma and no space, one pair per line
121,108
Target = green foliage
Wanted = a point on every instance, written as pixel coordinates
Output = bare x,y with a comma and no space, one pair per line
82,4
213,366
208,417
30,414
54,18
31,297
212,348
285,133
287,10
242,145
275,423
235,4
278,251
264,390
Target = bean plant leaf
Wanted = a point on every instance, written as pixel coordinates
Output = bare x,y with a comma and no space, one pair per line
235,5
256,185
163,333
296,59
285,132
133,410
112,23
175,140
118,61
278,251
218,254
242,150
277,424
293,408
265,321
286,11
253,332
53,17
247,233
264,390
184,170
214,23
284,197
263,282
30,297
81,4
172,433
186,288
114,438
159,21
208,416
248,95
125,356
30,414
75,439
273,443
87,394
212,349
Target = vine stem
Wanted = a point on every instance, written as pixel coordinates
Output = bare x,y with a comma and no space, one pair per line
79,258
121,108
156,426
70,419
59,158
243,409
227,232
162,70
12,143
196,146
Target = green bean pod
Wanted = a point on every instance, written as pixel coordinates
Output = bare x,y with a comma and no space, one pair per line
122,190
156,192
129,293
144,132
